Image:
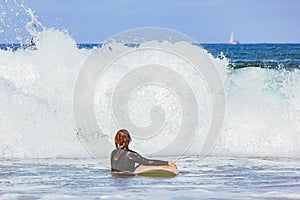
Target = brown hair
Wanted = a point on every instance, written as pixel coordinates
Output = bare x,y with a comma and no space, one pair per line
122,140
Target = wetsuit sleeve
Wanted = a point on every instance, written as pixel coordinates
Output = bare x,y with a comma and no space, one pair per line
144,161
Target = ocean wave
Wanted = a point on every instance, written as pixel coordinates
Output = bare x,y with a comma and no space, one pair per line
265,64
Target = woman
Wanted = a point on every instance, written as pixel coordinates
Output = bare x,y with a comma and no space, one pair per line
125,160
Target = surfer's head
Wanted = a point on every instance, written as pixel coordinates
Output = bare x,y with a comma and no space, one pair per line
122,139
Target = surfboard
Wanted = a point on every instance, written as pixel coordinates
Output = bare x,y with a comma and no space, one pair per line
165,171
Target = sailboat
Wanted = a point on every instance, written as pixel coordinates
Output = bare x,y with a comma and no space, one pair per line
231,40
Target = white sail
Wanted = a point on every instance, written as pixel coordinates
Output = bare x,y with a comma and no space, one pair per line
231,40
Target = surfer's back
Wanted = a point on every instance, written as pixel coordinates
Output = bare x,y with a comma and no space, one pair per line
121,162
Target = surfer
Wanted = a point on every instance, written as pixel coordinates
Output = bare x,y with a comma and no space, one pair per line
31,42
125,160
31,45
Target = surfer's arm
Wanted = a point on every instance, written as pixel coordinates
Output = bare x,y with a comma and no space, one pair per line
144,161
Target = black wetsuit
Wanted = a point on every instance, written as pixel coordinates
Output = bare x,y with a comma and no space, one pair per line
129,160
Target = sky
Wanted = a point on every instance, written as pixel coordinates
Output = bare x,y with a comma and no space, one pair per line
206,21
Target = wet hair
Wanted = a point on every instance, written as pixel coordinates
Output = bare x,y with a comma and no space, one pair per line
122,140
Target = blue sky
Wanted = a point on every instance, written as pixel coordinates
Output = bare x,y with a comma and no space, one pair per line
207,21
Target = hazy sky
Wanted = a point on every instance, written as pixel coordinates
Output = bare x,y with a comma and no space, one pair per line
207,21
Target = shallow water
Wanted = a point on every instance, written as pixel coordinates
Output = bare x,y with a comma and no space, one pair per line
199,178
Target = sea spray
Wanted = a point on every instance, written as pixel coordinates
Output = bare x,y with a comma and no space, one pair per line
262,114
36,94
262,105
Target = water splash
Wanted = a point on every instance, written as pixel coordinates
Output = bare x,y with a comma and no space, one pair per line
18,23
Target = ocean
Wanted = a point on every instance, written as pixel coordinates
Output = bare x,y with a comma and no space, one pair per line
57,121
209,178
256,155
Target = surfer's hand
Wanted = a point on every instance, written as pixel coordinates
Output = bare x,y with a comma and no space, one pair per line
172,164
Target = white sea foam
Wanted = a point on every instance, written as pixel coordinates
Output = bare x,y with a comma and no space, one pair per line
263,114
36,117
